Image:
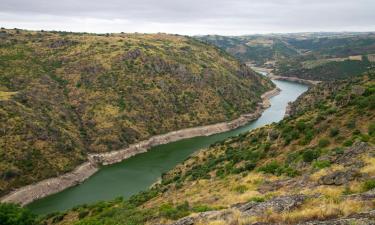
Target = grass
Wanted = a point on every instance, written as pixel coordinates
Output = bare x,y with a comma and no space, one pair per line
317,210
6,95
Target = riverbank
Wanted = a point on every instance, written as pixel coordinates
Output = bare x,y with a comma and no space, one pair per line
30,193
291,79
294,79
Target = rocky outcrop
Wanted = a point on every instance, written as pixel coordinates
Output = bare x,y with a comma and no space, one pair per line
340,177
27,194
277,204
366,218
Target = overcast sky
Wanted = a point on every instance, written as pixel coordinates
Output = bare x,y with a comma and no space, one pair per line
191,17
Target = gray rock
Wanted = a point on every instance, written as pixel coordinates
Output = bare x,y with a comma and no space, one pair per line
366,196
340,177
350,154
367,218
273,134
277,204
184,221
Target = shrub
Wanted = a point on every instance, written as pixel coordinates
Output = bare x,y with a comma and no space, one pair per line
83,214
202,208
309,155
240,189
348,143
257,199
368,185
334,132
174,213
351,124
271,167
323,143
371,129
321,164
11,214
290,172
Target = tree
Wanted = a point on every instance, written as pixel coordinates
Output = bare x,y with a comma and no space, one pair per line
11,214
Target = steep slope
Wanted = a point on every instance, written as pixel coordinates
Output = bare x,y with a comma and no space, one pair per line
316,166
63,95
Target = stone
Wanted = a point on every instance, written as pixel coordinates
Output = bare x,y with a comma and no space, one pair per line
277,204
184,221
339,177
367,218
350,154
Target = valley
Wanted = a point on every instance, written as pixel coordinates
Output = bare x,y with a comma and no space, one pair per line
139,172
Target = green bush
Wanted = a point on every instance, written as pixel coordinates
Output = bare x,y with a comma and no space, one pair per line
348,143
240,189
334,132
82,214
271,167
174,213
11,214
323,143
368,185
257,199
321,164
371,129
310,155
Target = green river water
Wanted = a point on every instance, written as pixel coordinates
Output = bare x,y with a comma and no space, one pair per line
139,172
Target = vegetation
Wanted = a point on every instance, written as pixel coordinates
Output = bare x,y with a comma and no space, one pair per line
64,95
11,214
312,56
266,163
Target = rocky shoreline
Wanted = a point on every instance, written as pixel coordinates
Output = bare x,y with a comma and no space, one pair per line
294,79
30,193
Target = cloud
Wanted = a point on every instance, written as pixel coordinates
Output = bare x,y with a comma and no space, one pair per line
228,17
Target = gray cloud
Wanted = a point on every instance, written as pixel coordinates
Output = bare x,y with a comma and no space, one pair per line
229,17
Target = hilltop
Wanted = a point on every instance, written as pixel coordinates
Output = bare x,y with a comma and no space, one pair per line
316,166
66,95
311,56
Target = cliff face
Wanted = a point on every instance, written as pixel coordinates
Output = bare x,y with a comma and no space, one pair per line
316,166
66,95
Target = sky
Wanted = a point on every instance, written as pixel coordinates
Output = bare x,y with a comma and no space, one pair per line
189,17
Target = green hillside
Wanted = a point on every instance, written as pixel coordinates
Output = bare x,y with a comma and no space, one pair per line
316,166
63,95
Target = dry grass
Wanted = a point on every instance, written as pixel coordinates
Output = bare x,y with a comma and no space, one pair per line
315,209
6,95
317,175
370,166
216,192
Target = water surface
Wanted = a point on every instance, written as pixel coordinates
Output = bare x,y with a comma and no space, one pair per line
139,172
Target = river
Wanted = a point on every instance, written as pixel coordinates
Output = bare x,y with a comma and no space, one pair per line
139,172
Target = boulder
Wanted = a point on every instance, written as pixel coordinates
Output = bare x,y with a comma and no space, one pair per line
277,204
339,177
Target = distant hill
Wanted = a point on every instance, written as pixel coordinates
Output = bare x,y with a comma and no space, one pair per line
315,56
64,95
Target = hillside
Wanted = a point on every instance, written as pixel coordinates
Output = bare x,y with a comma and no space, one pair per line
312,56
64,95
316,166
